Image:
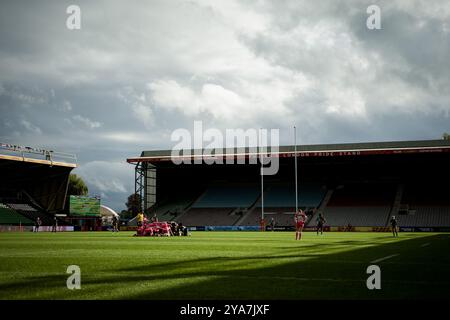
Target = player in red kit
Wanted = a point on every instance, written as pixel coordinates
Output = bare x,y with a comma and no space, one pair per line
300,219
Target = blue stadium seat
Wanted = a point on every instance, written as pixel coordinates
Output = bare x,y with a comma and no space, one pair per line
228,197
284,196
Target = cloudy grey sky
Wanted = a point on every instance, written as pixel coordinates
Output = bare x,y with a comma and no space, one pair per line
137,70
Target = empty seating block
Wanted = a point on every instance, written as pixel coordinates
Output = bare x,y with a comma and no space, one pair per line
360,205
11,217
228,197
284,196
281,219
425,217
209,217
252,219
168,210
356,216
30,212
363,195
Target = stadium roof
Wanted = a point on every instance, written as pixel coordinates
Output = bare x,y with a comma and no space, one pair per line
107,211
38,161
319,150
9,152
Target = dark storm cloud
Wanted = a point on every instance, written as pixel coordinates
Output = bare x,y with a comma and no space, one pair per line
138,70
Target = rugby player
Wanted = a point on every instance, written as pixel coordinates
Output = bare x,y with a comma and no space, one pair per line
394,226
320,222
300,219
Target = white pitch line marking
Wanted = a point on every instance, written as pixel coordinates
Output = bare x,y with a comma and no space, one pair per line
385,258
425,245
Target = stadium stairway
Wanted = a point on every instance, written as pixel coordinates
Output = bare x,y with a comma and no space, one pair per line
9,216
43,214
30,212
396,204
321,207
186,209
360,204
171,209
221,205
251,216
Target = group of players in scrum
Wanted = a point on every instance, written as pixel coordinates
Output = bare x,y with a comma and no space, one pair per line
154,228
300,218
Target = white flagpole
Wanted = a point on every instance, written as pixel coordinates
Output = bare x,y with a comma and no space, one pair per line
295,157
262,178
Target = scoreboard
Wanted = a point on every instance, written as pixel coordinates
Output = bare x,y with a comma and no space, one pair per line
84,206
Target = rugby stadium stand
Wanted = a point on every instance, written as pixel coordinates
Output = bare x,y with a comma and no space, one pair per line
175,205
358,184
283,196
27,210
424,205
228,196
425,217
360,205
33,183
210,217
9,216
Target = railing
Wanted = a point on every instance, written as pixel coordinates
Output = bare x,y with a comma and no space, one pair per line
50,155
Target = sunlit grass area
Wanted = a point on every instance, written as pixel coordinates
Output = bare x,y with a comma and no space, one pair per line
224,265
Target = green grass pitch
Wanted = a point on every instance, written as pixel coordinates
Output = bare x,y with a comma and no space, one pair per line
224,265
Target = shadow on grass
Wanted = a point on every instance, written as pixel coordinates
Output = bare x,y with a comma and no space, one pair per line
303,271
414,273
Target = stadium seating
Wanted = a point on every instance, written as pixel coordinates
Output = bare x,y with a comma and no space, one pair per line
10,217
228,197
209,217
368,194
428,205
170,209
421,216
175,206
360,205
28,211
357,204
309,195
279,203
426,194
252,218
355,216
281,219
281,210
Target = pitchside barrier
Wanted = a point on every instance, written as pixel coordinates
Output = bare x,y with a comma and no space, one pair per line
4,228
325,229
15,228
58,228
425,229
288,228
31,228
225,228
